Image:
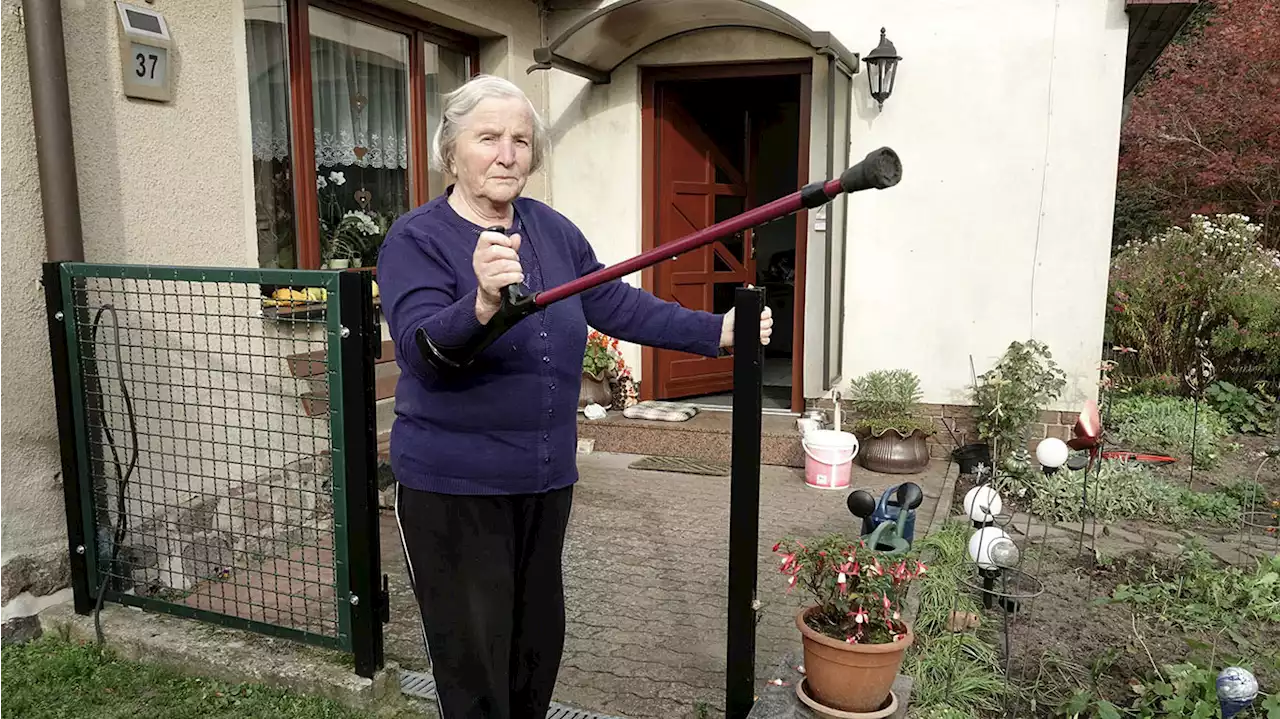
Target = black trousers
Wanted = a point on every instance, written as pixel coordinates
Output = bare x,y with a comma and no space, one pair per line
487,575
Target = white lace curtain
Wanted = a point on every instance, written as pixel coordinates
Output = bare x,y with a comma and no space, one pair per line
360,100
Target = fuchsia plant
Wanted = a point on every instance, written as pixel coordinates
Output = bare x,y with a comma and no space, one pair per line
858,591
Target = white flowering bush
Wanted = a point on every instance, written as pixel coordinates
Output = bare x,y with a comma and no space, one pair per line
1212,279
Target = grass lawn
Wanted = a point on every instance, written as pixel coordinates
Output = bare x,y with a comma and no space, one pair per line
53,678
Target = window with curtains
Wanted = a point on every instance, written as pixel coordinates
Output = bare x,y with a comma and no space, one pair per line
343,100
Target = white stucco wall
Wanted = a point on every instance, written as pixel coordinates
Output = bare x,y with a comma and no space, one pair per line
1006,114
160,183
32,516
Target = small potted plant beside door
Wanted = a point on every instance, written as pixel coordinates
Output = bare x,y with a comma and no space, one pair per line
601,363
853,635
893,440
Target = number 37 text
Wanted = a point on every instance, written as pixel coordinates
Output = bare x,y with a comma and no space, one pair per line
144,69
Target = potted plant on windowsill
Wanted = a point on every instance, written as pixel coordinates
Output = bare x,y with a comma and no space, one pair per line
893,440
854,637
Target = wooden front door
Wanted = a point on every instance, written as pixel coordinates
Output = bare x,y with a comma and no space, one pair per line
699,184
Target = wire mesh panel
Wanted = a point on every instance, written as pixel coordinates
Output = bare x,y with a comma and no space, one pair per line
209,413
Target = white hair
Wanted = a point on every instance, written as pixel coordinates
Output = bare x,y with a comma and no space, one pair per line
459,103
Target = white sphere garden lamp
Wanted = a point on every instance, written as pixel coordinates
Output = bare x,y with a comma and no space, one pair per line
1052,453
982,504
994,551
986,539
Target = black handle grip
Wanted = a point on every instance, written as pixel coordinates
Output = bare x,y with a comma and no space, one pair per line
879,169
511,294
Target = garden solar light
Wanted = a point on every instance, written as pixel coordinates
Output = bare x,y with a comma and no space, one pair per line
1237,688
980,545
880,169
1004,553
1052,453
993,550
982,504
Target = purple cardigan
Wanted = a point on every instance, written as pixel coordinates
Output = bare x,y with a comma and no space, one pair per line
508,424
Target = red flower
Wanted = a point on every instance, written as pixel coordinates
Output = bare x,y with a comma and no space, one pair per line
789,562
1118,308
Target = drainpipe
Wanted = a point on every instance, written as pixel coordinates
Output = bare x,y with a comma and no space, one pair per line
51,112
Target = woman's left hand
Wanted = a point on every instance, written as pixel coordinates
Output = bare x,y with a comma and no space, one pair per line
766,328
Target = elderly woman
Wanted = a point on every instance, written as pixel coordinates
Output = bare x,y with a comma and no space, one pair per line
486,460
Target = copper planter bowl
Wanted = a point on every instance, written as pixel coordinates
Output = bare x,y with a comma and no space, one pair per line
891,453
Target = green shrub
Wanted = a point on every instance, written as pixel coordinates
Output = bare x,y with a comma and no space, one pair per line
1160,384
1120,490
1010,396
1213,278
1164,424
1242,409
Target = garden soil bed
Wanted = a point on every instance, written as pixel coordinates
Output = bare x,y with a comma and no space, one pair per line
1064,640
1067,638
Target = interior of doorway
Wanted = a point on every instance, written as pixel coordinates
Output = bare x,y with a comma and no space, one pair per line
769,144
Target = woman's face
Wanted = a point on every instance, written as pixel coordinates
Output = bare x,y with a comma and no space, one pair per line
494,151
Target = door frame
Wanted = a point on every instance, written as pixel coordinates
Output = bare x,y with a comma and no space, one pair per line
651,76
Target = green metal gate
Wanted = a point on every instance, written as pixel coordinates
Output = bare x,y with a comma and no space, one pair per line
219,448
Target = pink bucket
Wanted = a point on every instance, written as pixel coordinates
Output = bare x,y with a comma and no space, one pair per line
828,461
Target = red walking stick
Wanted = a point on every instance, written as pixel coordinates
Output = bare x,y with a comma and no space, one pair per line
878,170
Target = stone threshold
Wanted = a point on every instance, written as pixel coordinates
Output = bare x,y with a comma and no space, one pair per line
707,436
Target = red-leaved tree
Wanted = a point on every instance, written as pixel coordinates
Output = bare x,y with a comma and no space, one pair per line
1203,133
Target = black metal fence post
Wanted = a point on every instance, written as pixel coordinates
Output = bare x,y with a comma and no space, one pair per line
360,334
744,501
57,316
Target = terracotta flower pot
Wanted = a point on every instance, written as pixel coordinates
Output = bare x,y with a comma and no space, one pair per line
891,453
594,390
849,677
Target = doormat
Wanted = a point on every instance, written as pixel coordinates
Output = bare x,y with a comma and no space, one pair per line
682,465
423,686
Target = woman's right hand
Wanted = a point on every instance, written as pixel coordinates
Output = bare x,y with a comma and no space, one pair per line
497,264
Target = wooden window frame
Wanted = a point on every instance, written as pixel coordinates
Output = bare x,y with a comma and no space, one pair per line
302,119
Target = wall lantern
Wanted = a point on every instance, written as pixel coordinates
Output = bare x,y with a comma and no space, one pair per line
882,68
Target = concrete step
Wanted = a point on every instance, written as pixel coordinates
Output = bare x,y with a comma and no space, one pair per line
707,436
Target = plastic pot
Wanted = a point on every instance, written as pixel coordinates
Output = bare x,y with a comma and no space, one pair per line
971,455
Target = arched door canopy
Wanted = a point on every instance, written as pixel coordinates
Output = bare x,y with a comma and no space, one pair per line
598,43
